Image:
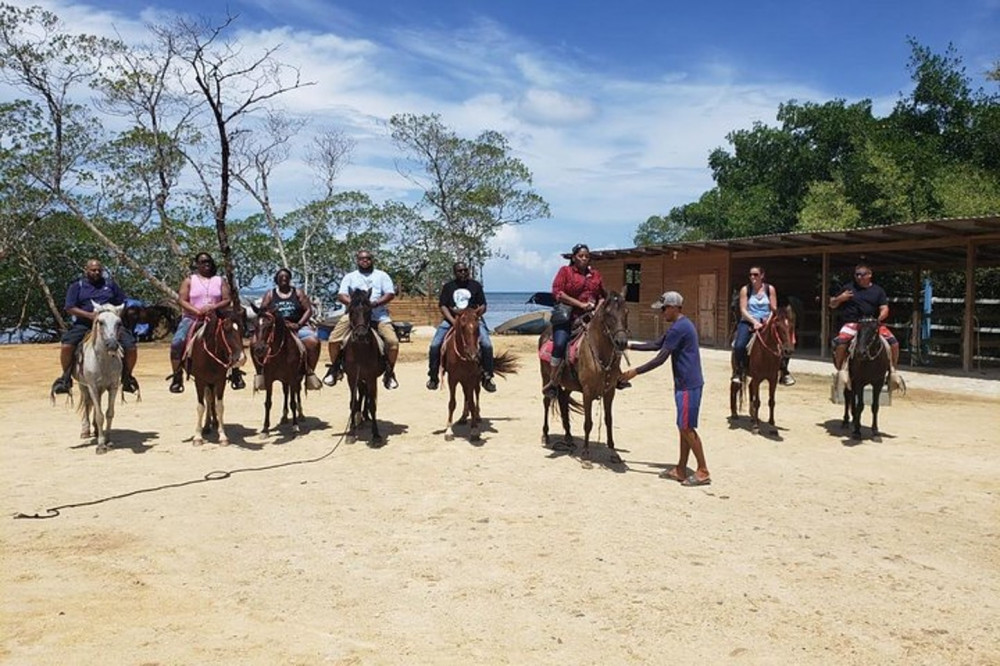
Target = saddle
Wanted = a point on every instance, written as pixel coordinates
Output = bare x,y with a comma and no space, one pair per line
572,349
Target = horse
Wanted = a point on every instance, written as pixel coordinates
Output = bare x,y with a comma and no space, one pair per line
460,360
278,355
769,346
216,348
98,371
868,364
364,362
595,373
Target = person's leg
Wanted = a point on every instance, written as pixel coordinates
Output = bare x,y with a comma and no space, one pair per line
694,445
895,382
177,355
434,355
688,409
388,334
67,352
486,354
560,340
311,343
131,355
337,335
786,377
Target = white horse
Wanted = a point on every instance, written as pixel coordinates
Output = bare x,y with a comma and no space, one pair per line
98,370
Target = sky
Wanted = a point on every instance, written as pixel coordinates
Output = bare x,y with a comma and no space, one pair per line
613,106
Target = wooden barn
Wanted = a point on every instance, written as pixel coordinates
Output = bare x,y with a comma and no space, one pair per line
806,267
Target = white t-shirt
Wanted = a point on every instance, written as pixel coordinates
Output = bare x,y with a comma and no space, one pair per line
380,284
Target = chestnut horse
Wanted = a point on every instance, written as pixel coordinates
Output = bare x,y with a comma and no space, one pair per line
460,360
769,345
867,365
364,362
98,372
595,373
277,356
217,348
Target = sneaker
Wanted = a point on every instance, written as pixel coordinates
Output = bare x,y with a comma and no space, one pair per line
129,384
389,381
736,379
258,383
432,384
313,382
788,380
236,379
177,383
62,385
622,385
489,385
331,376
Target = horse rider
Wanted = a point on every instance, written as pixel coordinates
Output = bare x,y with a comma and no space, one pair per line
292,304
758,301
366,277
82,294
579,286
200,293
457,295
857,300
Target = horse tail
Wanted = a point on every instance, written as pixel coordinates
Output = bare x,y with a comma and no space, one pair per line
573,404
505,364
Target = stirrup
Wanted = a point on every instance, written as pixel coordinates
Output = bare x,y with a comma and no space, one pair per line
432,384
236,379
333,374
62,385
258,383
129,383
389,381
489,384
177,385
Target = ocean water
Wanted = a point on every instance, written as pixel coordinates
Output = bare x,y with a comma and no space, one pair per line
504,305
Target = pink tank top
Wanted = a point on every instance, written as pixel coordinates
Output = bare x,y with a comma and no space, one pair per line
205,292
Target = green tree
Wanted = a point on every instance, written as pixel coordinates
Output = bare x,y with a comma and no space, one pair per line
472,188
657,230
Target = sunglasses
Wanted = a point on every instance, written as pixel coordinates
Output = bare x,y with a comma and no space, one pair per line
461,270
755,275
861,274
365,258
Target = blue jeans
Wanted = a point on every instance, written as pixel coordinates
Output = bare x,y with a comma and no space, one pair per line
180,337
485,349
560,339
744,331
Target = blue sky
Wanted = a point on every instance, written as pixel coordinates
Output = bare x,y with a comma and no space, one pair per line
613,106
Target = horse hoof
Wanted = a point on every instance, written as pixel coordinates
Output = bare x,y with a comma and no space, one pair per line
101,449
223,442
197,441
85,434
350,439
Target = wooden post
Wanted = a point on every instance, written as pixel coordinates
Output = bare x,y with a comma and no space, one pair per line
824,309
916,315
969,317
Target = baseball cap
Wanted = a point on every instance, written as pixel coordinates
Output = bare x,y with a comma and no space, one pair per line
668,298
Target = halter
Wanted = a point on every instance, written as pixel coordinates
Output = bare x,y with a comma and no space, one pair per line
874,348
217,333
463,350
610,334
270,340
360,331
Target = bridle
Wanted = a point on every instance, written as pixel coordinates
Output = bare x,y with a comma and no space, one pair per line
610,331
217,334
873,346
270,352
466,348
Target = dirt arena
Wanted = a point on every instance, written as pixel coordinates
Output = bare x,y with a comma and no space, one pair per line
808,548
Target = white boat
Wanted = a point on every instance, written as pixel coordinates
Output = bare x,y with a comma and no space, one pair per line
529,323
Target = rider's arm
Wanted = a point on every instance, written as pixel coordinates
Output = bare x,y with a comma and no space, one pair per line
744,301
883,313
307,308
841,298
559,285
772,295
227,296
184,298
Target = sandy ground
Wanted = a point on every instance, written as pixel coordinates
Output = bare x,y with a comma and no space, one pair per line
808,548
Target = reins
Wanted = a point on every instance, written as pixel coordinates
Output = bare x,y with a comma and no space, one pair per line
219,322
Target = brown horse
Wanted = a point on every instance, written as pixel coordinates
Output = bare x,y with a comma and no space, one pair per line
460,360
867,365
278,357
769,346
364,362
217,348
595,373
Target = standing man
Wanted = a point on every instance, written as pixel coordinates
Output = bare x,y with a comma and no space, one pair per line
81,296
457,295
860,299
366,277
680,344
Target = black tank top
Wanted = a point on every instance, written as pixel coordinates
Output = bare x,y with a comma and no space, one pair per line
289,308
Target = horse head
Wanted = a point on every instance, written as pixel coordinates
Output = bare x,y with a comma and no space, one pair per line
784,327
224,336
266,329
613,317
107,322
359,314
868,343
467,333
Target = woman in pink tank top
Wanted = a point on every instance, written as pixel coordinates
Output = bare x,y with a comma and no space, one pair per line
200,293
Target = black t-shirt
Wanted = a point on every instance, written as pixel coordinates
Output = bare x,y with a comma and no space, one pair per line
864,303
460,296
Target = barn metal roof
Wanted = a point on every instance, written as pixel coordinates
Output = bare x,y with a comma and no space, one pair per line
940,243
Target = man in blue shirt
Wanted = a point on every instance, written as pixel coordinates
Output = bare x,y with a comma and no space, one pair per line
680,345
92,288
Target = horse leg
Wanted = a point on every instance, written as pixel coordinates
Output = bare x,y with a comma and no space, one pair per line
876,390
859,406
472,404
267,406
848,409
755,405
546,405
588,424
284,402
85,408
371,399
295,398
609,399
734,391
451,399
564,414
772,385
109,416
99,431
219,411
201,390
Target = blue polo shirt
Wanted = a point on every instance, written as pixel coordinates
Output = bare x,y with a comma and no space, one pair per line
83,294
680,344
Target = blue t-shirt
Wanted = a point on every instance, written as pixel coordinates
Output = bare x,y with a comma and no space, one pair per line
680,344
83,294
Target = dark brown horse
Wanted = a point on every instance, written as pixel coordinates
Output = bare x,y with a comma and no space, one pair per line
867,365
460,360
768,348
217,348
364,362
277,356
595,373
